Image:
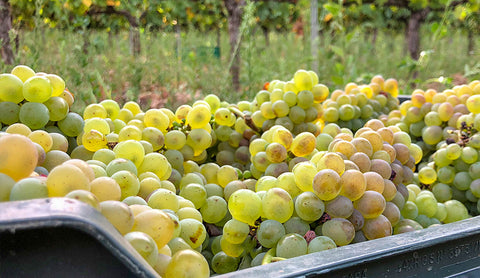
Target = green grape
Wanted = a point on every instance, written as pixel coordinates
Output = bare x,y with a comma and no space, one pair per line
446,174
195,193
94,140
340,230
304,175
134,200
148,185
144,245
331,114
111,107
409,210
309,207
277,205
474,170
462,181
296,225
245,206
6,185
9,112
223,263
71,125
346,112
287,182
193,232
214,209
469,155
175,140
128,182
34,115
163,199
432,135
235,231
269,233
456,211
177,244
322,141
454,151
442,192
213,102
199,139
331,161
432,118
305,99
120,164
131,150
42,138
29,188
37,89
65,178
226,174
291,245
57,83
320,243
59,142
440,158
155,163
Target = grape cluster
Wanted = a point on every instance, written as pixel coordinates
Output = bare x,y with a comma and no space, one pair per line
215,187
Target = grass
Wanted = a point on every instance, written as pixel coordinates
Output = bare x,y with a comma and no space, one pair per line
165,76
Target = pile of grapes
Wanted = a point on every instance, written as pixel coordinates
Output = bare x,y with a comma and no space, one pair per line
215,187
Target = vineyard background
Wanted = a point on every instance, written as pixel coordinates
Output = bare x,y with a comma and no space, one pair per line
168,52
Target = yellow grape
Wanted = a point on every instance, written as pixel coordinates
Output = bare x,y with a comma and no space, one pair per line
18,128
23,72
11,88
246,206
19,156
331,161
93,140
156,224
65,178
304,173
303,144
42,138
131,150
37,89
187,263
199,116
156,118
106,189
326,184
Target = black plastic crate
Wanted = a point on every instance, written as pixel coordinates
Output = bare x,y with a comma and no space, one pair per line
61,237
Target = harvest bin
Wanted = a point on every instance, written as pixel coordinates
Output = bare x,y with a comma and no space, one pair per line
61,237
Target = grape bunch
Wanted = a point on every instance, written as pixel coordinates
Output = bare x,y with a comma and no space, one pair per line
215,187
